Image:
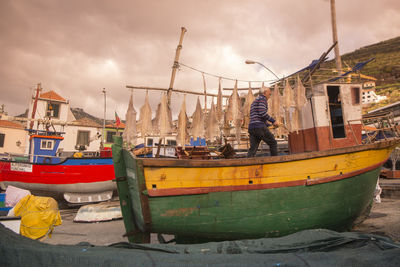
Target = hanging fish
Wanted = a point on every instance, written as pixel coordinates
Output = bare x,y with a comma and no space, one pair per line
212,129
300,94
197,127
300,101
247,105
183,123
145,118
276,109
275,102
220,112
163,119
234,114
291,122
129,134
205,92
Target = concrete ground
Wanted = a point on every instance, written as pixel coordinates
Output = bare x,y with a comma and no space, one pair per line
98,233
384,219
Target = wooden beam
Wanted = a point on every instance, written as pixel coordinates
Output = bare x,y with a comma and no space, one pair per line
173,90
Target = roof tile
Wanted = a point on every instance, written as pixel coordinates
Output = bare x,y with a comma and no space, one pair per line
11,124
51,95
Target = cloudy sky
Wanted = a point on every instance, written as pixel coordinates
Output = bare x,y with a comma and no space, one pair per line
79,47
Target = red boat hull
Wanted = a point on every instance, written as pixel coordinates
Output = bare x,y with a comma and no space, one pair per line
72,175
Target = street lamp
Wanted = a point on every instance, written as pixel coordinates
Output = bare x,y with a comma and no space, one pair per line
255,62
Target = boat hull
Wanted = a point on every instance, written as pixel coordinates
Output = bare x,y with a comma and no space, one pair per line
266,212
249,198
74,175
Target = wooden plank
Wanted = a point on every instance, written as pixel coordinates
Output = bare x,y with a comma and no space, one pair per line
173,90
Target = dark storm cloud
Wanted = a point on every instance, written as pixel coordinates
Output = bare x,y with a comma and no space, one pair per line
79,47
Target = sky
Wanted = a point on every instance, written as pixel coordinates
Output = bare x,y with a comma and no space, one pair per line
79,47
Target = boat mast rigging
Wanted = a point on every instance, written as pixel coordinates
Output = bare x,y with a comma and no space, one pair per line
176,65
38,89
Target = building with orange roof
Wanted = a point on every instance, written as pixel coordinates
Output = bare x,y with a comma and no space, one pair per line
82,132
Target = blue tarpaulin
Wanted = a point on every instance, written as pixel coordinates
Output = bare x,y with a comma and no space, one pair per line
357,67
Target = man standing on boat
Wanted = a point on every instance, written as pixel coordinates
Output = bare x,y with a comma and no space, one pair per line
259,122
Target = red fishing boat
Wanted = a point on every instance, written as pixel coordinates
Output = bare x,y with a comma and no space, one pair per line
78,179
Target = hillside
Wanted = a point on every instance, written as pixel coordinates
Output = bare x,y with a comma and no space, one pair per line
385,68
79,113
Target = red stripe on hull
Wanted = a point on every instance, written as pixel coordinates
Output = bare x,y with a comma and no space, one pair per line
344,176
58,174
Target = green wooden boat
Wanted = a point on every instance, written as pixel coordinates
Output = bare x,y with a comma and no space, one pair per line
327,181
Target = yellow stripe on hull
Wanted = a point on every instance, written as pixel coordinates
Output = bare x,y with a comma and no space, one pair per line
271,173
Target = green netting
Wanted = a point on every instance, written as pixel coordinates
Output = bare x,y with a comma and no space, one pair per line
306,248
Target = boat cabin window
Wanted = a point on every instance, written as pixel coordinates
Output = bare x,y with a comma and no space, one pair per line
355,95
2,137
336,114
53,110
171,142
82,138
47,144
149,141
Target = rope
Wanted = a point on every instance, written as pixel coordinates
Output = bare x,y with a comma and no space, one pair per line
219,76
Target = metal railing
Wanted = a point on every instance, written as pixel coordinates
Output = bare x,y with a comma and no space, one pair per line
377,127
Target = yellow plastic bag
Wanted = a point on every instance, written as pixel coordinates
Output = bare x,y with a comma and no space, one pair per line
38,215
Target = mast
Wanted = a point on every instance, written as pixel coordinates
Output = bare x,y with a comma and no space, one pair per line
335,38
104,119
175,66
38,89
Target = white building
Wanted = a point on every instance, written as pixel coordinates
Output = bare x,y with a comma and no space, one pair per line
13,137
369,96
77,133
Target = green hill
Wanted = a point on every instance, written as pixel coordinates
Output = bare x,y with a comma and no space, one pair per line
385,68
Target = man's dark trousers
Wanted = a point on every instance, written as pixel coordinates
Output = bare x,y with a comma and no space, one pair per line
258,134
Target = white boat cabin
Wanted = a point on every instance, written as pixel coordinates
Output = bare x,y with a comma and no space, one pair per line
332,119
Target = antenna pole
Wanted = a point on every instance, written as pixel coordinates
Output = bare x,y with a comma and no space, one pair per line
104,119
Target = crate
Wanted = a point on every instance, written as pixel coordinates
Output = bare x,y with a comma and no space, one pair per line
2,200
193,152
